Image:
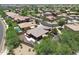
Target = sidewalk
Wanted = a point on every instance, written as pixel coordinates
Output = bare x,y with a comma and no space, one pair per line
5,52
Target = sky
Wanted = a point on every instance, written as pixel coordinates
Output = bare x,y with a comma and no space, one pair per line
39,1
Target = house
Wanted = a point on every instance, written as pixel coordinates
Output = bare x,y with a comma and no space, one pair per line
73,27
44,27
17,10
50,16
47,13
16,17
63,14
70,13
20,19
37,32
11,14
27,25
72,17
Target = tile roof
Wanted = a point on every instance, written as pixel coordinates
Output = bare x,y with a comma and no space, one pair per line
17,16
26,24
74,27
37,32
12,14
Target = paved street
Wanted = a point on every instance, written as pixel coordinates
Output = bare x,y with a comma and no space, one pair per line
1,32
2,35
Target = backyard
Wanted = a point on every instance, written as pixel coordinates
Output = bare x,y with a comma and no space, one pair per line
67,44
24,50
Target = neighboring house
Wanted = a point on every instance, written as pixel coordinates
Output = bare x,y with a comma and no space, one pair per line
73,19
62,14
73,27
44,27
20,19
47,13
50,16
11,14
27,25
70,13
16,17
17,10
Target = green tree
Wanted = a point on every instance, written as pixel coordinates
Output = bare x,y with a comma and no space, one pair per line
10,22
36,10
47,46
68,44
70,38
2,13
12,39
62,10
54,31
63,49
61,22
24,12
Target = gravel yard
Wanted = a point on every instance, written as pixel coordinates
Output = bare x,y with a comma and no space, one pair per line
24,50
